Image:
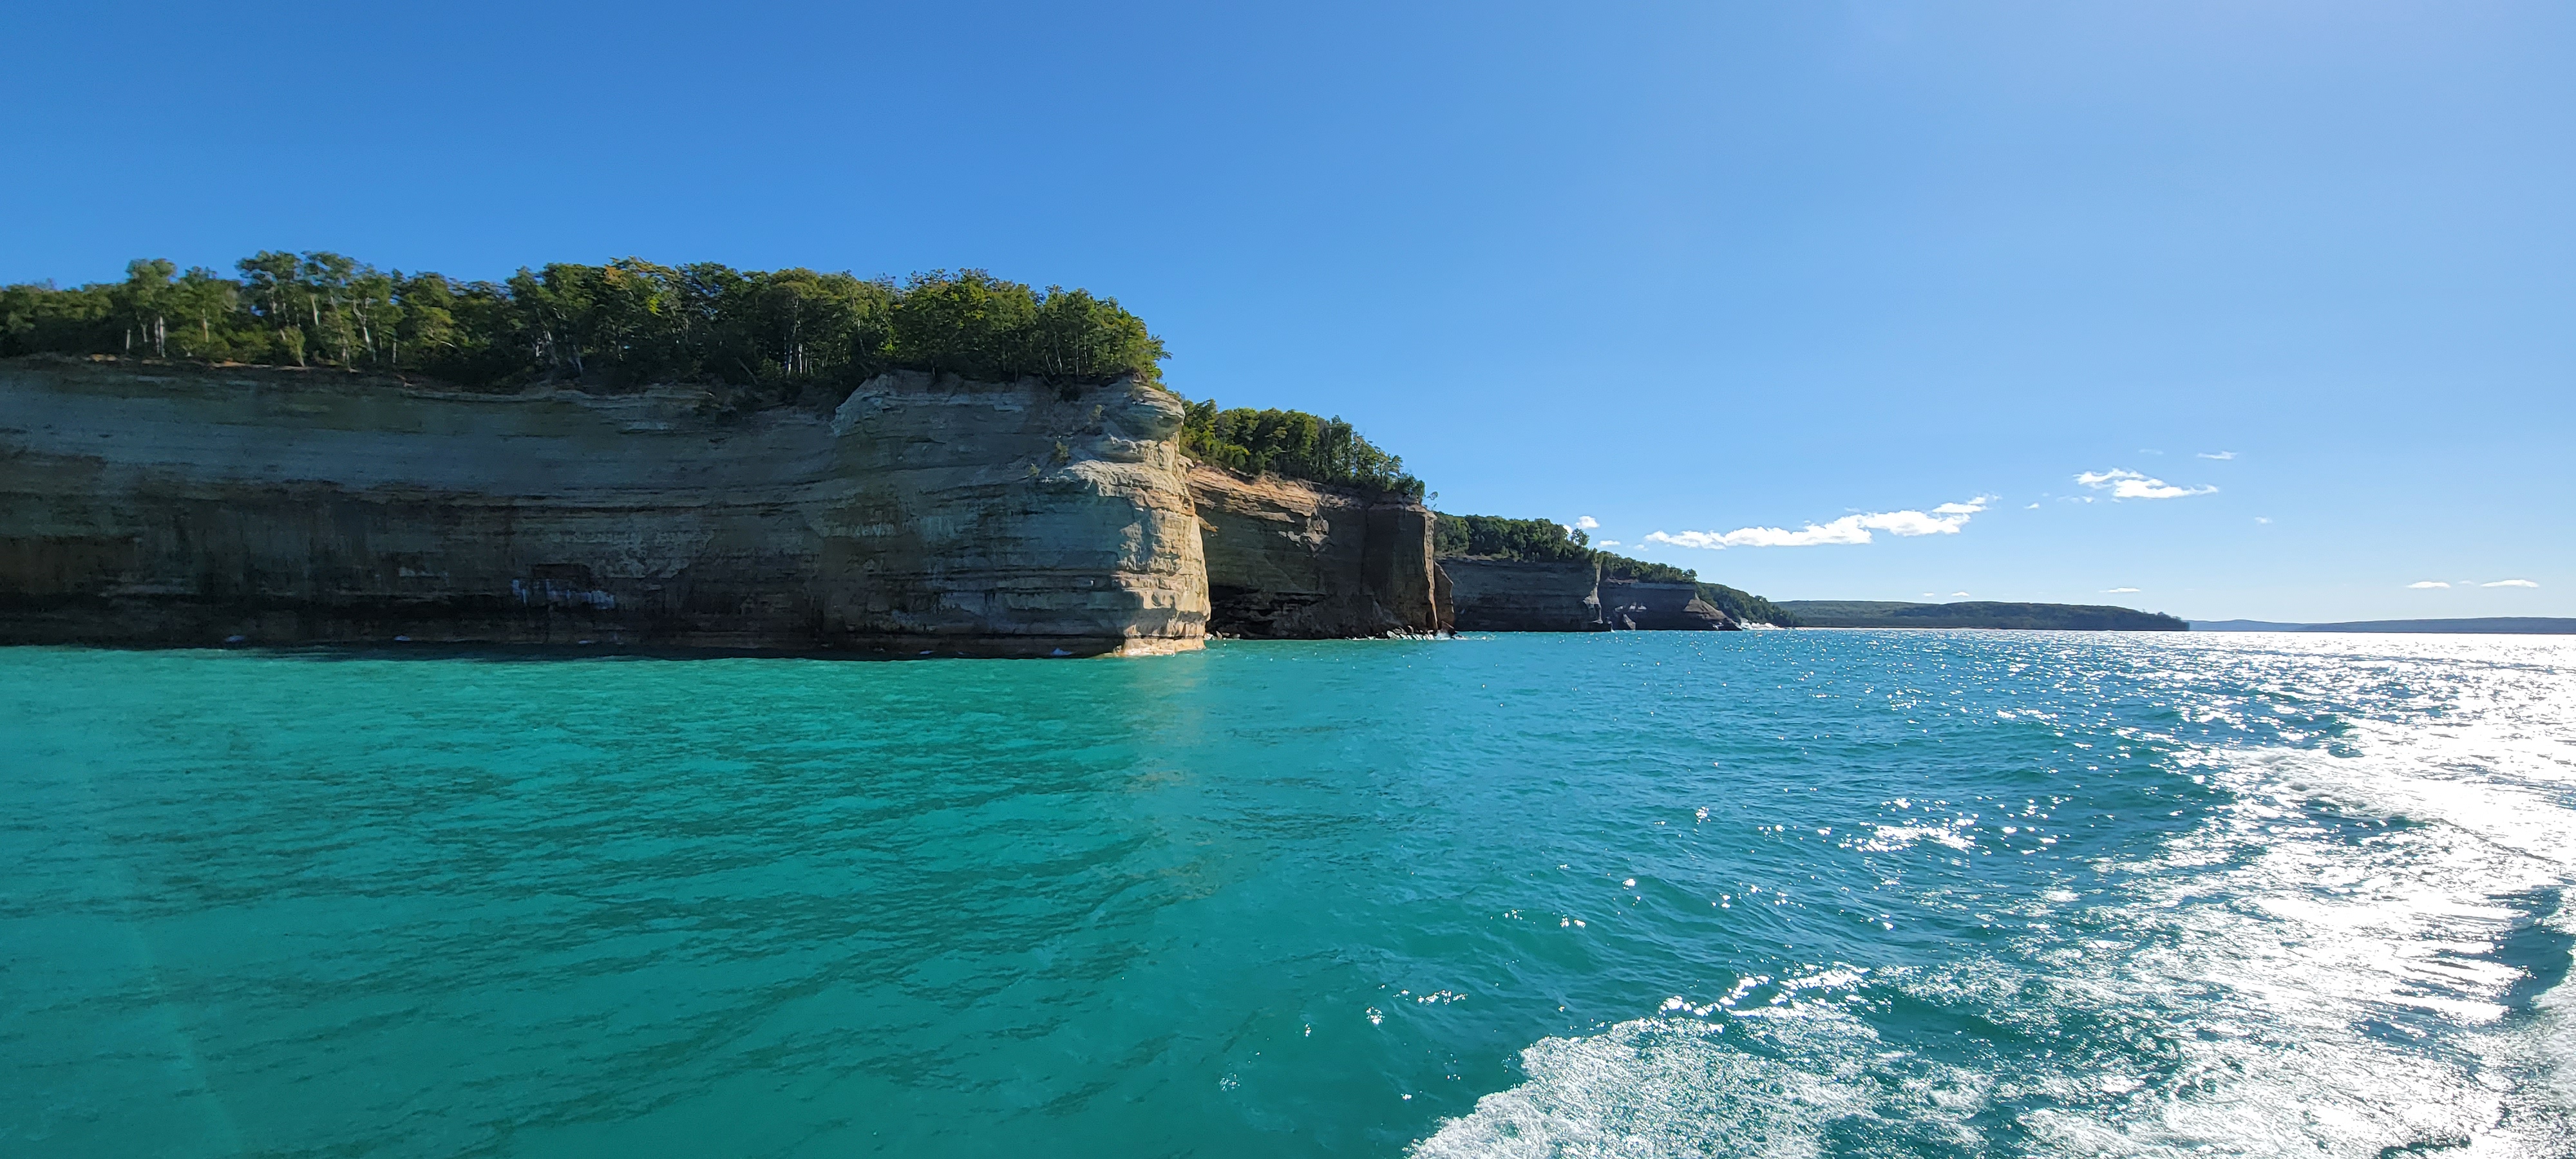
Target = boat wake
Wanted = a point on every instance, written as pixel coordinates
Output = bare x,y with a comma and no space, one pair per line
2360,951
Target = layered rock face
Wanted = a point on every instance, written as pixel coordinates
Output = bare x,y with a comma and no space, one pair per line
1658,607
1288,559
1509,595
180,505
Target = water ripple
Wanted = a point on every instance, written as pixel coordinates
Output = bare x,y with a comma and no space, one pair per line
1635,895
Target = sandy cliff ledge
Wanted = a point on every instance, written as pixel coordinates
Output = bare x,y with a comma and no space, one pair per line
187,505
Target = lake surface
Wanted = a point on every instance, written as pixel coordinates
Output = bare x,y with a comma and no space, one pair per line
1787,893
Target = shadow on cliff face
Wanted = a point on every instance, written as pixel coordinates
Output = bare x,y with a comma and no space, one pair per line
1294,559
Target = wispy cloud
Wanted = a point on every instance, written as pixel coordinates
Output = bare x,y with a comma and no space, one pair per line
1956,595
2510,584
1607,542
2125,484
2221,456
2428,584
1945,519
2117,591
1587,523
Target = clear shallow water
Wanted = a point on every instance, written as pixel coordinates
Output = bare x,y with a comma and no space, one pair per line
1823,893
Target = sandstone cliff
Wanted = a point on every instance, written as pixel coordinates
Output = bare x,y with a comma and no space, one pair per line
1289,559
189,505
1509,595
1658,607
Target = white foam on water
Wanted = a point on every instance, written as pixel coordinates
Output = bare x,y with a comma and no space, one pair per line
2312,970
2325,994
1891,838
1766,1083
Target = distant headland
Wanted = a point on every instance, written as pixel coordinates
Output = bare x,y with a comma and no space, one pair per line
1979,614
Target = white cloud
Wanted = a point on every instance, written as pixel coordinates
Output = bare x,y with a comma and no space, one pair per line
1607,542
1955,595
2032,507
1945,519
2428,584
2510,584
1587,523
2221,456
2262,519
2124,484
2117,591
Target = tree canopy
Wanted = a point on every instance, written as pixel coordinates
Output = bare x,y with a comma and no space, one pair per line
1495,537
631,323
1620,567
615,326
1746,607
1292,443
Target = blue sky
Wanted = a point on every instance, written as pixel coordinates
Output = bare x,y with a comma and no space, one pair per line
2295,282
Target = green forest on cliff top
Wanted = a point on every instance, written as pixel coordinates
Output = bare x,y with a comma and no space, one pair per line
770,337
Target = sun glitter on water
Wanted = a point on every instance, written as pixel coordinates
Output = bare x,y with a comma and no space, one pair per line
1621,895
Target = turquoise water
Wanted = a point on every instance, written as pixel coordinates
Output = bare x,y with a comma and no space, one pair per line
1790,893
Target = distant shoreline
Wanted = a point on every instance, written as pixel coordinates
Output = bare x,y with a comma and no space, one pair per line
2477,626
1977,614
